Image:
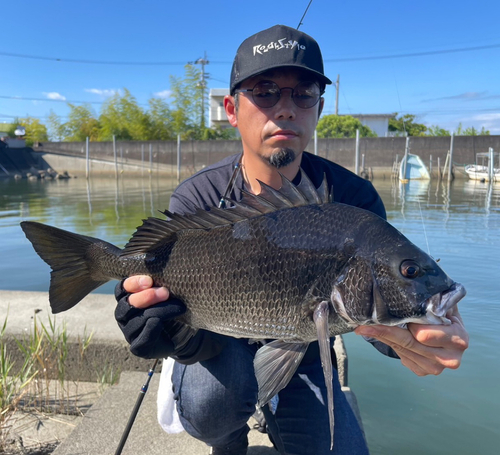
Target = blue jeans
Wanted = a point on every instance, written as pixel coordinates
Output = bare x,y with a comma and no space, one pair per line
216,397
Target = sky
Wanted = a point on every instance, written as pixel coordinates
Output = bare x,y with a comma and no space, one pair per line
438,60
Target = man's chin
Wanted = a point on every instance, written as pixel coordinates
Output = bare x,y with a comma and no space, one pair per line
282,157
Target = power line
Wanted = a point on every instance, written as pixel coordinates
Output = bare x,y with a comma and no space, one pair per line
21,98
413,54
346,59
96,62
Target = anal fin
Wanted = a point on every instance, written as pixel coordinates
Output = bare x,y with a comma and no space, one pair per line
320,318
275,363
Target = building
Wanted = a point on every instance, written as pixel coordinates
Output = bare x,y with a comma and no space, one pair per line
217,115
378,123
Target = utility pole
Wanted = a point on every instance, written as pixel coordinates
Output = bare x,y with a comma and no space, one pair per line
337,95
202,84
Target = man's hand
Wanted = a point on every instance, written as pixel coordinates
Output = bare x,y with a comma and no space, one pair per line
424,349
143,294
142,313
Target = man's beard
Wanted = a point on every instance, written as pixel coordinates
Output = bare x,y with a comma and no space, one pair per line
282,158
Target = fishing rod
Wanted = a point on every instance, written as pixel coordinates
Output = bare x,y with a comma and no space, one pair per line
304,15
138,403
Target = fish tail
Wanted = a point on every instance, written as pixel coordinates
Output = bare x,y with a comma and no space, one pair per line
75,261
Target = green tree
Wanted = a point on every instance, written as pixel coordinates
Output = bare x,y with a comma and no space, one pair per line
342,126
122,117
35,130
82,123
471,131
406,124
186,104
160,120
435,130
219,133
55,127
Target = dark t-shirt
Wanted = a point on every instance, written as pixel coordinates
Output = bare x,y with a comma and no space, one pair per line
205,189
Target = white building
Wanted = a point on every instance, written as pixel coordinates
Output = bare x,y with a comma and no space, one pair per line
216,114
378,123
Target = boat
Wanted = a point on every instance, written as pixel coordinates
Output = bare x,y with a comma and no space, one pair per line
485,171
413,168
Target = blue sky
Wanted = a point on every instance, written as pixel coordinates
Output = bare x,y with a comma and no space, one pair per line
444,86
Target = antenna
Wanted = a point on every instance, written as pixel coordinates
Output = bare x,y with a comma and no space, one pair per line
304,15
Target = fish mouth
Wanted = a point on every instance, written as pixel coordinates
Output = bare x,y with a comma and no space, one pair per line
439,304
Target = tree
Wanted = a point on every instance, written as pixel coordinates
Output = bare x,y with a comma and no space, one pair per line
160,120
471,131
435,130
342,126
186,104
123,118
35,130
55,127
82,123
406,124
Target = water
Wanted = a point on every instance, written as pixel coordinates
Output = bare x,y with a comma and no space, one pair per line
454,413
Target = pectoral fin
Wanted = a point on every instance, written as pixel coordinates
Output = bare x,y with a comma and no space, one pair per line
275,363
320,318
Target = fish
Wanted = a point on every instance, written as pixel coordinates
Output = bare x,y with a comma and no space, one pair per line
288,265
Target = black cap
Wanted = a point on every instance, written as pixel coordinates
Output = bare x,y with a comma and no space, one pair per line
276,47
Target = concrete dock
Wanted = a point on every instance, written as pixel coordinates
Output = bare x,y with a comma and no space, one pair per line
99,429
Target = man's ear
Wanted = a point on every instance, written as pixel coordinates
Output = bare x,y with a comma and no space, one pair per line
230,108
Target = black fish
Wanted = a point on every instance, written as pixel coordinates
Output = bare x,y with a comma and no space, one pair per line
287,265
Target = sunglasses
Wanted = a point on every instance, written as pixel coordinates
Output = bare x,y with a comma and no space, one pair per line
267,94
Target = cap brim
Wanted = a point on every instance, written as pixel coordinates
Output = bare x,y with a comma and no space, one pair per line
320,76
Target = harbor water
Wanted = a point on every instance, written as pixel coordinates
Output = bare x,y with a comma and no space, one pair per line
455,413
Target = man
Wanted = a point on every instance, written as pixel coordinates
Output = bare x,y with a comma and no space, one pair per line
275,101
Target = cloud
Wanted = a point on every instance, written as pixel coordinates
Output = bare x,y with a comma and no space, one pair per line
467,96
102,92
54,96
163,94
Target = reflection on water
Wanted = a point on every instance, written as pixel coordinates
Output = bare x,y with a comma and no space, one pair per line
455,413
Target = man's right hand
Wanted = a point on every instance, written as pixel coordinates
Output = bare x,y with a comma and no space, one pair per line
143,294
142,312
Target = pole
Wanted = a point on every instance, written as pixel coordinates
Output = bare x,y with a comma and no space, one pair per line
405,164
142,158
138,403
356,159
87,170
202,84
450,163
114,156
337,96
150,158
178,158
491,171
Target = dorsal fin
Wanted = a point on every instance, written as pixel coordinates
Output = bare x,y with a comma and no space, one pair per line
156,233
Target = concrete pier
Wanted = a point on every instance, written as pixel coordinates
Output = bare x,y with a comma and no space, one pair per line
99,430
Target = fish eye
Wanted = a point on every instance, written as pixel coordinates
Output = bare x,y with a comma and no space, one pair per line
409,269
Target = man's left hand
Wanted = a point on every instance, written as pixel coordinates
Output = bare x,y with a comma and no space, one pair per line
424,349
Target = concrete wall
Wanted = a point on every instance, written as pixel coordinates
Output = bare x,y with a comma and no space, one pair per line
379,153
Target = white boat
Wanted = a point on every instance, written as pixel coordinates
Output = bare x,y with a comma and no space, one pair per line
413,168
485,171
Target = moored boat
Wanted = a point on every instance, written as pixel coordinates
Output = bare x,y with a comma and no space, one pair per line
413,168
486,171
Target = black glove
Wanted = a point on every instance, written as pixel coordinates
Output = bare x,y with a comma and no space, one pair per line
144,328
149,332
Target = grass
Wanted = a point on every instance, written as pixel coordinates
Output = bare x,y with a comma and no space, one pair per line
39,382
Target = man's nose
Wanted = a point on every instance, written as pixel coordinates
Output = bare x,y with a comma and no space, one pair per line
285,107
